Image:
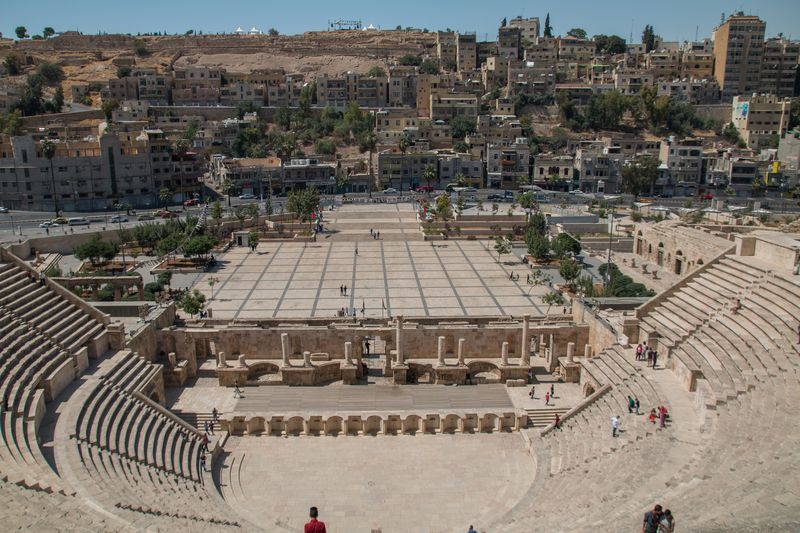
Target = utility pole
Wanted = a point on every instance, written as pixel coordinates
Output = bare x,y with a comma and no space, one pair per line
607,275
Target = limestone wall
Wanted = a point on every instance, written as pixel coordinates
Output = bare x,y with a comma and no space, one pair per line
600,335
145,340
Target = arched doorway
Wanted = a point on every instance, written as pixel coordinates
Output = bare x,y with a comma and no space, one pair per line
660,254
679,262
639,242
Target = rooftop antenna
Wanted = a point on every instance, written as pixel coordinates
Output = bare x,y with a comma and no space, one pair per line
722,18
630,35
696,33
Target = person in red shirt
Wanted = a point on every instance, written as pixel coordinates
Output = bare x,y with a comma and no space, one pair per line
314,525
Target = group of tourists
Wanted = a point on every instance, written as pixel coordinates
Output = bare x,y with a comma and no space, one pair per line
342,290
548,395
646,353
375,234
661,414
658,521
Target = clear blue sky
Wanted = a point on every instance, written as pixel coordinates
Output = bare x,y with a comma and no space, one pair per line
672,19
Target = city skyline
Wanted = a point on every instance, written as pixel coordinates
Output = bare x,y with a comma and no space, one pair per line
669,20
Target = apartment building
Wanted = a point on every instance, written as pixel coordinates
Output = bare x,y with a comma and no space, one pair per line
542,53
681,170
9,95
404,171
446,105
402,86
630,145
598,168
447,49
499,129
554,171
197,86
303,173
760,119
494,72
508,164
738,54
94,173
524,78
466,51
248,175
663,64
779,70
528,28
572,49
427,85
391,125
696,64
789,150
509,42
243,92
631,81
694,91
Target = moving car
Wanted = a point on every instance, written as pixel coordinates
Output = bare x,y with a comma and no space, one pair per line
495,197
78,221
118,218
191,202
167,214
3,210
247,196
146,216
49,224
61,221
390,190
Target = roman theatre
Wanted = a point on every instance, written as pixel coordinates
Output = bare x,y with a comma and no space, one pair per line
403,384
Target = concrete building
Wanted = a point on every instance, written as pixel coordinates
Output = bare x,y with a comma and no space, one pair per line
681,170
528,28
789,150
554,171
631,81
572,49
705,91
509,42
543,53
598,168
508,164
760,119
446,105
738,54
243,92
696,64
466,52
779,70
447,49
337,92
302,173
663,64
248,175
197,86
405,171
402,86
95,173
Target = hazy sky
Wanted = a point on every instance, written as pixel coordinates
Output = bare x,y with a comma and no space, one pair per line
674,19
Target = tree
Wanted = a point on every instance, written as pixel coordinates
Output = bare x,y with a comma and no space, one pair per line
537,278
108,107
342,181
605,111
569,269
11,124
252,238
551,299
527,202
192,302
502,245
13,64
428,67
48,32
731,134
495,208
325,147
96,249
578,33
648,39
538,246
409,60
609,44
428,174
30,101
283,117
169,243
123,71
139,47
443,207
164,196
49,151
564,244
199,245
376,72
273,32
538,224
503,22
548,29
216,212
21,32
462,126
640,176
228,188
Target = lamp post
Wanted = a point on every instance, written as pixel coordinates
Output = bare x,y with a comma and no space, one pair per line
607,275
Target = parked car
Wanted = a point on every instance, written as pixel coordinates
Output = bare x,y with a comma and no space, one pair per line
146,216
191,202
118,218
425,188
495,197
167,214
61,221
78,221
247,196
389,190
49,224
3,210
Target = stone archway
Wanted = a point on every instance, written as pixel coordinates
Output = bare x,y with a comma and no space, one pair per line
484,371
679,260
420,373
262,372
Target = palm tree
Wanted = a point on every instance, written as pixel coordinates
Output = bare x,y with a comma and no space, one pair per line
428,174
227,188
49,151
165,195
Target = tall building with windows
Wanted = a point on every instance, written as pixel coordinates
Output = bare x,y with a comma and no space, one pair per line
738,54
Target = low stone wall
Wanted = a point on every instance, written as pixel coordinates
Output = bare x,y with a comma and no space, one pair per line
378,423
145,340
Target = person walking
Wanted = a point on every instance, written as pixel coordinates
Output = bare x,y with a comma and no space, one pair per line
314,525
204,443
631,405
370,232
557,423
614,425
649,356
662,417
532,392
547,398
652,416
655,358
636,404
651,520
356,251
644,351
237,393
667,523
639,351
203,462
552,390
214,415
366,345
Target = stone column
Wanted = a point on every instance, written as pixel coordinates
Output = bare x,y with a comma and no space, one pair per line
140,291
173,360
222,361
347,356
307,426
399,339
440,352
570,352
504,354
285,348
383,426
241,362
525,349
306,358
117,294
461,351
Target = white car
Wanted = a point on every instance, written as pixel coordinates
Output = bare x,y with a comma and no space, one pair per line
247,196
3,210
118,218
48,224
390,190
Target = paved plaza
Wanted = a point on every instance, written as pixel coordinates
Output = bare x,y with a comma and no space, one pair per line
423,483
286,279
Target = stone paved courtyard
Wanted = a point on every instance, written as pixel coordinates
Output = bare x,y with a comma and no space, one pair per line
423,483
285,279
